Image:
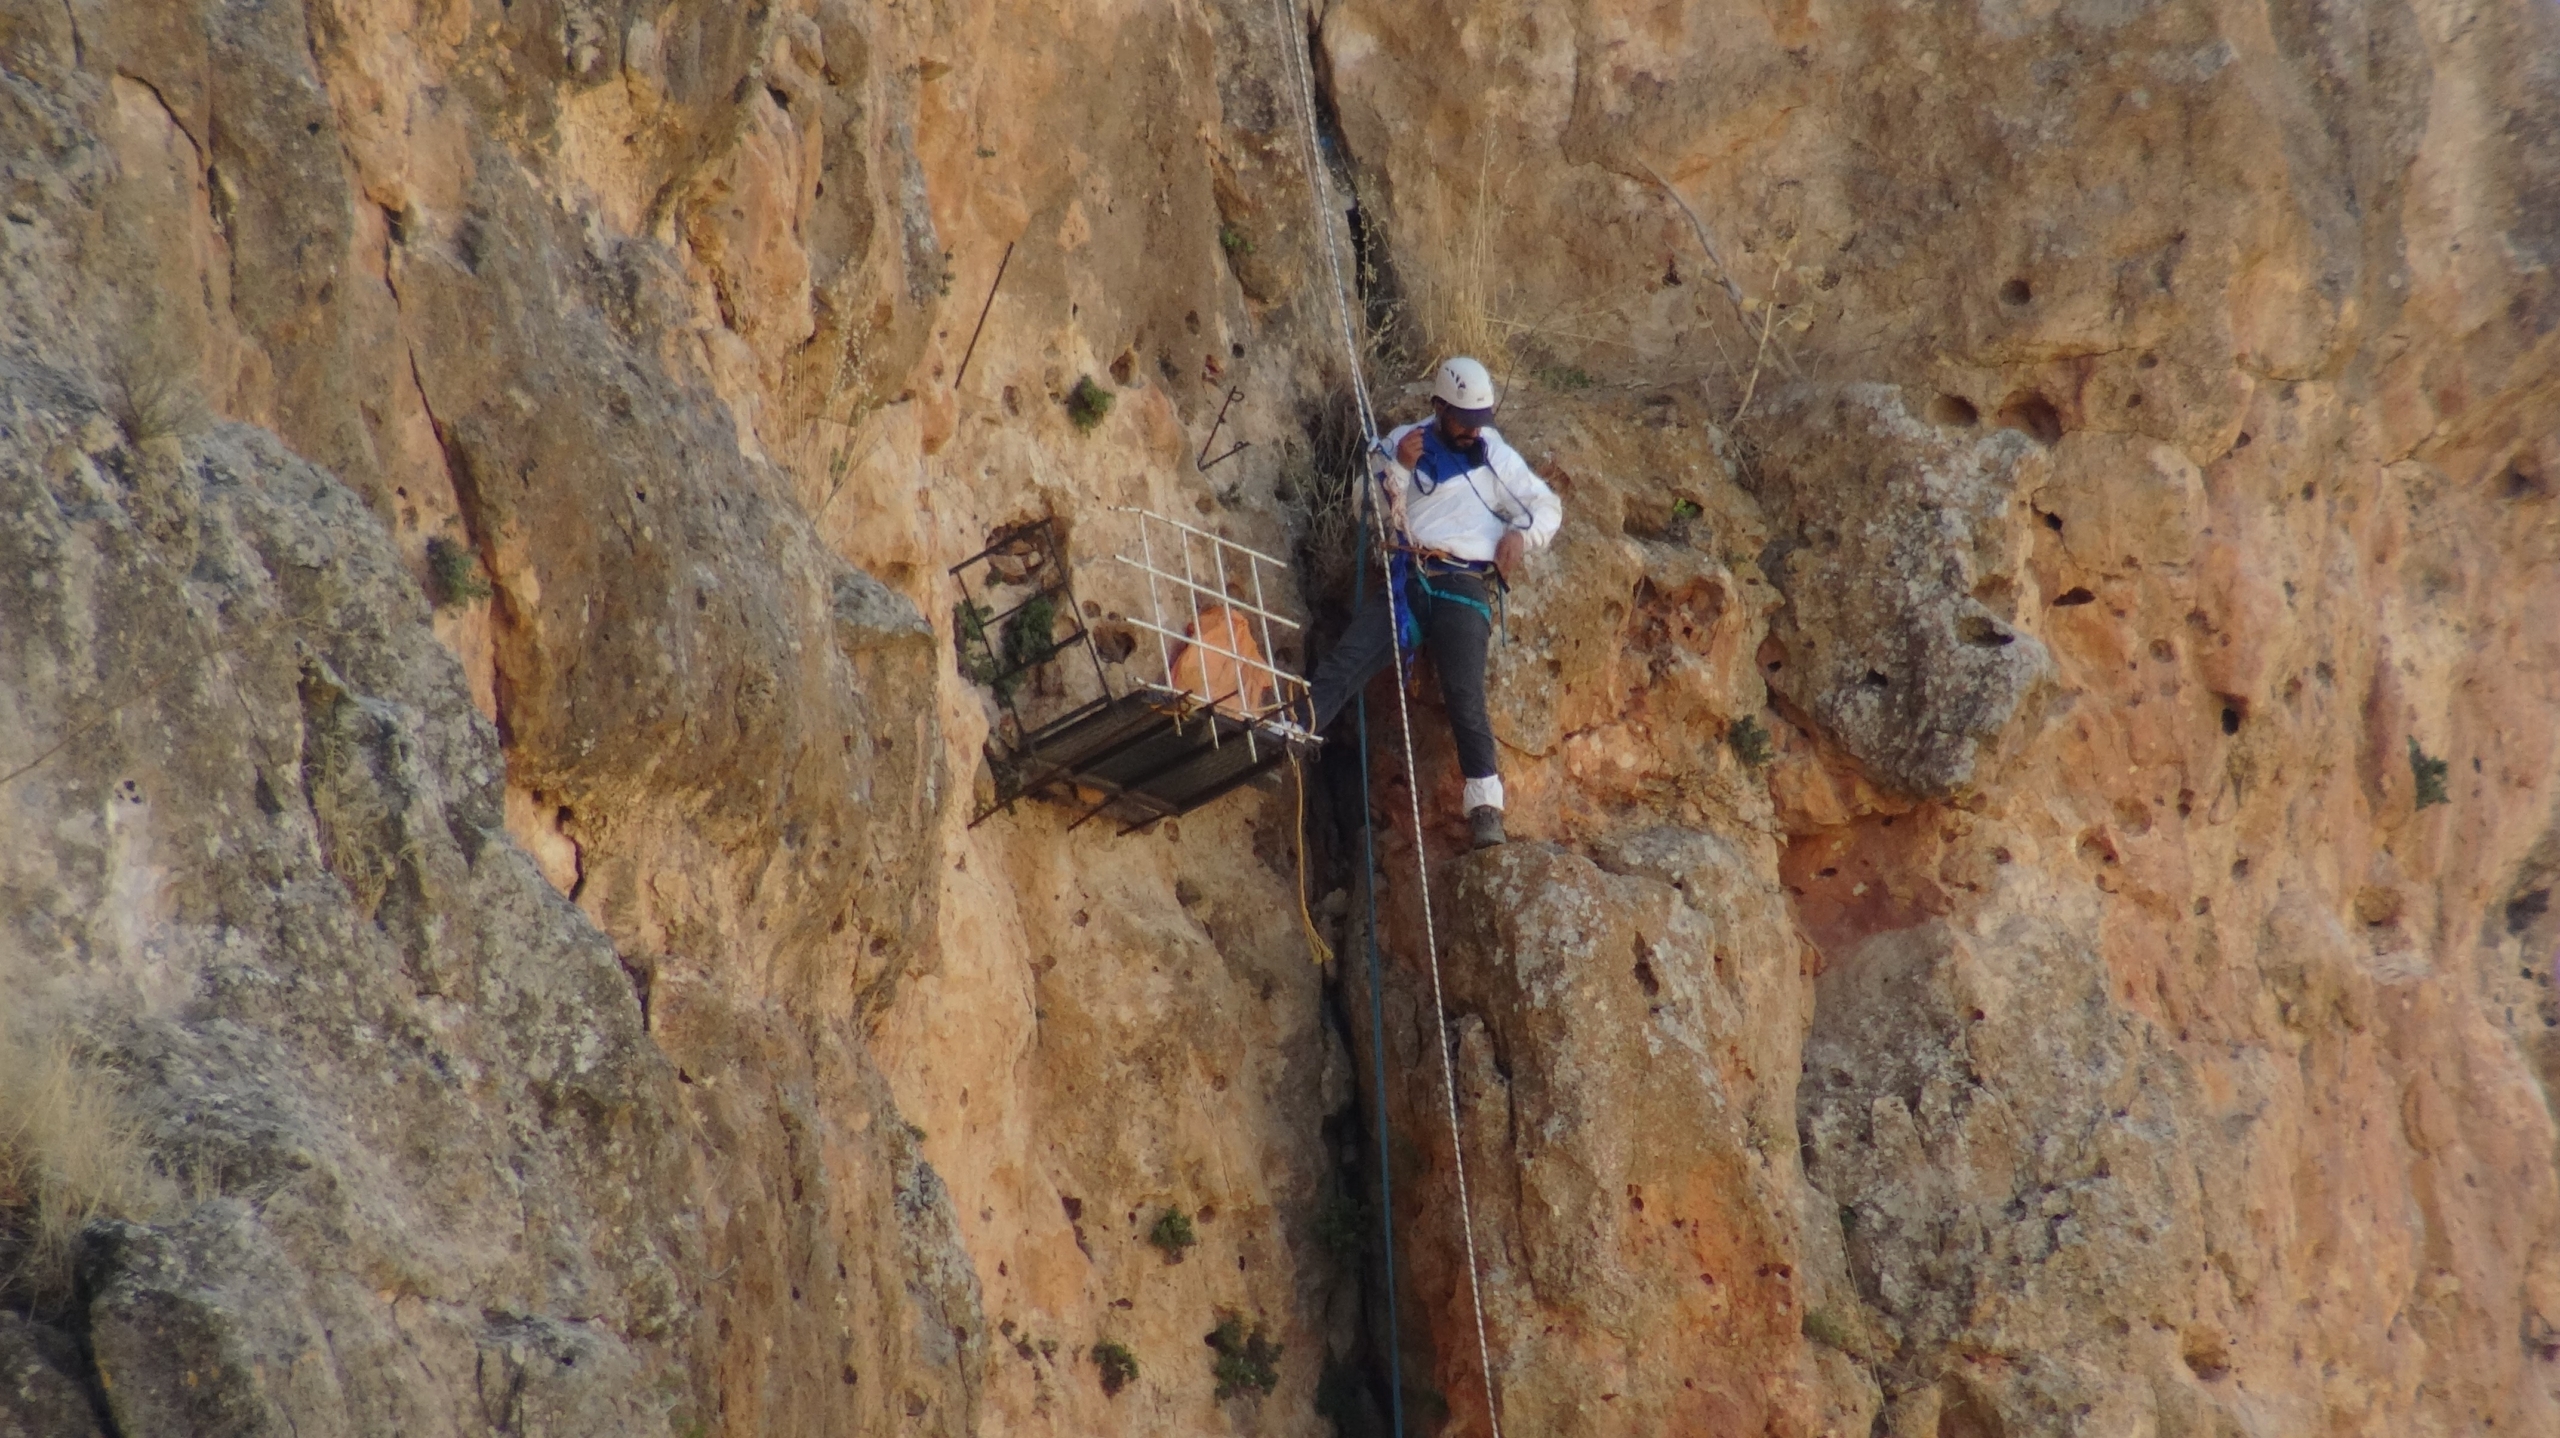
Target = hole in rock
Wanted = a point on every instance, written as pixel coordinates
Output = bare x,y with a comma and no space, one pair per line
2519,485
2147,362
1645,979
2016,292
1875,679
2522,911
2069,597
1123,368
1979,630
2233,711
2051,521
2033,415
1954,409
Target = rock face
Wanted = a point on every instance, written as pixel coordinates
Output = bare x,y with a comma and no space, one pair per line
2151,449
2035,786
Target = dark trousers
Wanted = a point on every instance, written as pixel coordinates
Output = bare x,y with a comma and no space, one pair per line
1456,636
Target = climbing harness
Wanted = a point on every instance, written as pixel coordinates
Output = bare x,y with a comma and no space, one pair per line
1302,69
1418,576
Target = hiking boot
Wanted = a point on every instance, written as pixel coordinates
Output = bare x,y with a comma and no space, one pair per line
1484,825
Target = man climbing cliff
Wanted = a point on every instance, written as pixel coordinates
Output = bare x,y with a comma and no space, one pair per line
1465,510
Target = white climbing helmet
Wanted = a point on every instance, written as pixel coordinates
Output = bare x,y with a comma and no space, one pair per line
1463,385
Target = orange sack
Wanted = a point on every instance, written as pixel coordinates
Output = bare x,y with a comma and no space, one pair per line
1239,689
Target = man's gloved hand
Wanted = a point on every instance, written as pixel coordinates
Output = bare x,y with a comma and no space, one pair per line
1409,450
1510,555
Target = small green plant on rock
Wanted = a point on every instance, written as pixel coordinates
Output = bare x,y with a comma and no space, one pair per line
2429,772
976,648
1117,1365
1088,404
1342,1226
1030,635
455,574
1173,1234
1824,1327
1749,741
1245,1362
1233,240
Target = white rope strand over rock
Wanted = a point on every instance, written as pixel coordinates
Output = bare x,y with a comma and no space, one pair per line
1320,179
1303,69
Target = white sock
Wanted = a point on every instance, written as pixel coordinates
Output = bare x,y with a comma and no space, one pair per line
1484,793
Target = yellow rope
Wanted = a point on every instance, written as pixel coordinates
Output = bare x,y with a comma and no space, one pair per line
1317,948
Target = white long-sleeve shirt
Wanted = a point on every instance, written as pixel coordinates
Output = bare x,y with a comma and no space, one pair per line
1467,511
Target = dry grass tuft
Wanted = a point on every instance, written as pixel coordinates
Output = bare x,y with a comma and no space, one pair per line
1318,492
151,388
1458,313
70,1153
831,402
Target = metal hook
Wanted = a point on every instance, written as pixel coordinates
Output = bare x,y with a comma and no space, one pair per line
1202,461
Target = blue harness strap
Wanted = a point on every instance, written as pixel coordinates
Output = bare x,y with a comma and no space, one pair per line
1422,577
1442,461
1410,579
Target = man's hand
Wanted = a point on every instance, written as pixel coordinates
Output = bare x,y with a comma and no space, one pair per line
1409,450
1510,555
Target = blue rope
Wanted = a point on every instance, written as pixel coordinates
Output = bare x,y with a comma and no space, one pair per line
1378,1020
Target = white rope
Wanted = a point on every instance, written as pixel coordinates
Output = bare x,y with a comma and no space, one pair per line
1440,1027
1302,67
1320,177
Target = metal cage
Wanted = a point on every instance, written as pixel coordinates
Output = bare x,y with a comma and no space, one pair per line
1215,712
